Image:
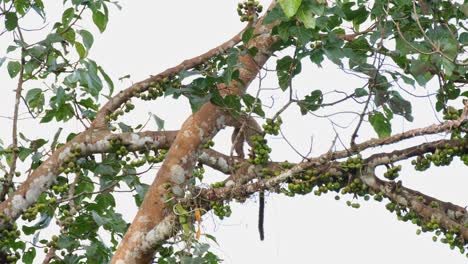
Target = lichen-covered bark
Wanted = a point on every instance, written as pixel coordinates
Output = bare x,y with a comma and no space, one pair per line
178,165
90,142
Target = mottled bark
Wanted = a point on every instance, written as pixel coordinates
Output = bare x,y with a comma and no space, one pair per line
179,163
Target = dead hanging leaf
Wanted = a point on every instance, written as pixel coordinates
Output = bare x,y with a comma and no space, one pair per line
198,219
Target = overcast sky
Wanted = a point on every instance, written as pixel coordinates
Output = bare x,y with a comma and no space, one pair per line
146,37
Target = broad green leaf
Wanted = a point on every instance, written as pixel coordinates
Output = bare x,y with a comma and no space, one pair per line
87,37
253,104
463,38
286,69
108,80
306,16
311,102
302,34
290,7
380,124
42,223
35,99
21,6
37,52
28,256
359,92
232,102
67,242
80,49
11,21
180,210
247,35
67,16
88,103
100,20
104,169
421,71
124,127
159,122
51,39
276,14
316,56
400,106
317,7
49,115
92,80
69,35
99,220
38,7
14,68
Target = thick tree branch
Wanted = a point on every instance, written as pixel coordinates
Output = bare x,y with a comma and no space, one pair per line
180,160
116,101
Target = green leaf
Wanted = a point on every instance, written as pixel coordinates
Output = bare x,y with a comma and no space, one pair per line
359,92
38,7
311,102
50,114
232,102
407,80
290,7
104,169
35,99
357,16
67,16
141,190
317,7
302,34
276,14
100,221
180,210
29,256
69,35
255,104
247,35
421,71
88,103
51,39
159,122
286,69
380,124
108,80
87,37
212,238
11,21
463,38
92,80
306,16
316,56
80,49
21,6
42,223
67,242
14,68
124,127
100,20
400,106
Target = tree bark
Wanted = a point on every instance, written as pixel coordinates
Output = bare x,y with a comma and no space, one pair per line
180,160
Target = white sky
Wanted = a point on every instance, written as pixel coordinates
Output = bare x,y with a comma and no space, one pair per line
146,37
